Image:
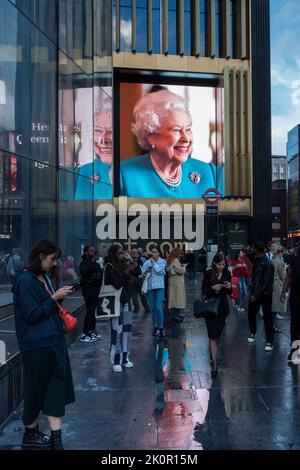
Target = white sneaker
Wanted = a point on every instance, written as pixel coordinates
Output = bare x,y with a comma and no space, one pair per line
117,368
95,335
268,347
251,338
87,339
127,365
241,309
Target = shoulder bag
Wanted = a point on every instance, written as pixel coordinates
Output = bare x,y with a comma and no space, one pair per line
207,308
109,305
145,283
67,318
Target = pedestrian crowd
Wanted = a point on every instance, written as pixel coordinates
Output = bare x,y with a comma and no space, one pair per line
256,280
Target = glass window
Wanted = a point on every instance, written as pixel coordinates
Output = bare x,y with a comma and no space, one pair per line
202,27
76,31
125,26
102,31
43,13
75,222
75,115
27,209
28,75
172,24
141,25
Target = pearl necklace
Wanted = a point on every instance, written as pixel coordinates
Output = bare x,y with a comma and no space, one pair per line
168,181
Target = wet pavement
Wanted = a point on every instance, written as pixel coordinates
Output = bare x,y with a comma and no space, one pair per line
169,401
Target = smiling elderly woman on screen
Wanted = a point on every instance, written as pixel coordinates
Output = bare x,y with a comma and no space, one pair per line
94,179
162,125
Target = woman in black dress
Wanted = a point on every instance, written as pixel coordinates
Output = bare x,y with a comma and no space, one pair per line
216,284
47,378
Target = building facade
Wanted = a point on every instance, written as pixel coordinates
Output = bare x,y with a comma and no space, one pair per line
72,70
279,199
293,149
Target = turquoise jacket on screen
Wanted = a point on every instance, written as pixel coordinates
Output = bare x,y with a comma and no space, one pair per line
139,179
87,188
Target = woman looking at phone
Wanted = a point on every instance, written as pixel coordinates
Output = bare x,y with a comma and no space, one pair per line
47,377
155,266
216,284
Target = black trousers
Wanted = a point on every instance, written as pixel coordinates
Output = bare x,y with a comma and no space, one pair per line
266,303
295,316
136,292
90,294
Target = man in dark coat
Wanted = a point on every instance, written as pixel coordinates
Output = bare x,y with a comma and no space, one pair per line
261,291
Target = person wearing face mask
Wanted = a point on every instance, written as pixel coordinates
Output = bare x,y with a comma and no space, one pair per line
156,268
162,125
47,377
95,179
216,284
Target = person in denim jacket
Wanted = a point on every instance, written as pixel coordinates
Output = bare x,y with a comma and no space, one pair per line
156,267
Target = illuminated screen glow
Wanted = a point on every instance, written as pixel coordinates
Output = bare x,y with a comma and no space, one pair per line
171,140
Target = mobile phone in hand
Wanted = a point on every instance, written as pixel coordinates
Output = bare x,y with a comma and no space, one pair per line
75,285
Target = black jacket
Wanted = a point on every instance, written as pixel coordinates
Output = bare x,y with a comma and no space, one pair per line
90,273
38,324
117,277
262,277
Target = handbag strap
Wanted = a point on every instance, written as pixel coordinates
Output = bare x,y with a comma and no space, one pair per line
103,277
50,295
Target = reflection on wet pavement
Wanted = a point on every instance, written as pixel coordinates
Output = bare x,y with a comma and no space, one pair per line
169,401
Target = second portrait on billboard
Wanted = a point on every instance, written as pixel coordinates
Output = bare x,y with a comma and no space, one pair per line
171,148
95,159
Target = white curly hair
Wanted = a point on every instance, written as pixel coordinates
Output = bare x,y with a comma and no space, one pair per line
149,111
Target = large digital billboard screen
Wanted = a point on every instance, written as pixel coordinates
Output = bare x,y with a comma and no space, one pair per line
171,140
85,143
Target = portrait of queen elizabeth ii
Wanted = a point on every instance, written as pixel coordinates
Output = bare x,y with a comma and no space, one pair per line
162,125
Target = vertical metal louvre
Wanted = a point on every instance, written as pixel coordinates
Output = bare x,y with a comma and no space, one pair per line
133,26
227,137
242,130
195,27
237,131
165,28
226,28
180,27
118,45
149,27
244,29
233,28
211,28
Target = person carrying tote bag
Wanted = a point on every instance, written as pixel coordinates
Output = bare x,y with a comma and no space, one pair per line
216,285
108,305
117,275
